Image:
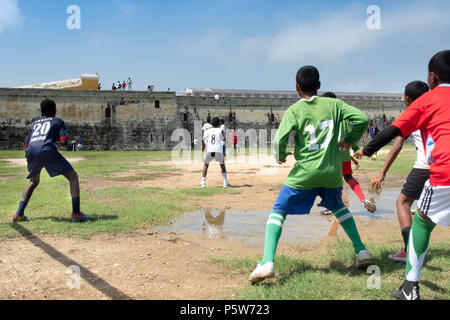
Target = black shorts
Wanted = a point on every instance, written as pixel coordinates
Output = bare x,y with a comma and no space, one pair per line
415,182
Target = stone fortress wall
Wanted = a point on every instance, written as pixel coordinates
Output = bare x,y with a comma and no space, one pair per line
138,120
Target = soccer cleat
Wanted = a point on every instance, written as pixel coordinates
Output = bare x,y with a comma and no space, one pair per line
81,217
369,205
326,212
363,259
226,185
401,256
202,185
17,218
357,166
407,291
262,272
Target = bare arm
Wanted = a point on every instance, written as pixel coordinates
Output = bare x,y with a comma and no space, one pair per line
393,154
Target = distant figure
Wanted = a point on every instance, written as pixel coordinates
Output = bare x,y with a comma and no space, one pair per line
224,131
79,144
150,88
114,87
373,131
124,85
130,84
234,139
119,85
99,86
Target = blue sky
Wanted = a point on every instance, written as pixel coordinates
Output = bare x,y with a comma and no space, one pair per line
229,44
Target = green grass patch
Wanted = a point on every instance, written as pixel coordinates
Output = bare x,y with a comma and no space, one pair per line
330,275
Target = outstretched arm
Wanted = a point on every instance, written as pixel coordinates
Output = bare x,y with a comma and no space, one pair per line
393,153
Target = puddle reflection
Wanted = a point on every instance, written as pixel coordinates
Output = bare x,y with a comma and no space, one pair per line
249,226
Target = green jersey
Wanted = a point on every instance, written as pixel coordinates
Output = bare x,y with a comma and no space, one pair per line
316,123
343,153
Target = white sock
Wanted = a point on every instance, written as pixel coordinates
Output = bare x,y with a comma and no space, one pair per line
203,179
224,175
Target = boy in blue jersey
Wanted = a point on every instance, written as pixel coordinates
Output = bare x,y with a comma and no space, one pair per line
41,152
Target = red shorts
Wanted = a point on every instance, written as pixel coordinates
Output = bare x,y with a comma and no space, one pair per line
347,168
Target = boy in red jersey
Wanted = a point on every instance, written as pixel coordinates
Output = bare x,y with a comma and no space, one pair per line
431,115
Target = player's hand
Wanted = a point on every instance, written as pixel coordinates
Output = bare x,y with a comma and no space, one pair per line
284,160
344,145
358,154
377,183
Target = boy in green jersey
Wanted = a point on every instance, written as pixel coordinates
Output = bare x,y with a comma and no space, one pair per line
347,171
318,170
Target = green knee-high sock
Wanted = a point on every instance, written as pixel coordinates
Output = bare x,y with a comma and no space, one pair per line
419,239
273,232
347,222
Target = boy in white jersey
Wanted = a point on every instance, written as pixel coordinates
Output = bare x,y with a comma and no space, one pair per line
213,139
415,181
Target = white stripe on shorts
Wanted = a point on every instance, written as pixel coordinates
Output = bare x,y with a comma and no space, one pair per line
434,203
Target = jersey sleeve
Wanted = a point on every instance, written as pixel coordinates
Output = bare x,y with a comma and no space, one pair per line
27,143
412,119
62,131
287,125
359,120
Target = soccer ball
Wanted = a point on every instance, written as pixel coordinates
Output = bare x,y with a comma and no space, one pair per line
217,97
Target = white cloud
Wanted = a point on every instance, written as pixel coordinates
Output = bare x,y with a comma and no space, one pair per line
10,15
329,35
336,34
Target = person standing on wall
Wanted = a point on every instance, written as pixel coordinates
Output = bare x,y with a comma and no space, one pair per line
130,84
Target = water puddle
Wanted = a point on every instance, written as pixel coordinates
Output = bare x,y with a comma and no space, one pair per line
249,226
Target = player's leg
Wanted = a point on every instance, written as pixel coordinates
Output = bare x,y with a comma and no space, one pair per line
332,199
404,204
411,191
221,160
289,201
26,196
77,215
208,159
433,209
355,186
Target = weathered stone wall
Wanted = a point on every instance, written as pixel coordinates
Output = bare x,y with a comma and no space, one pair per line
108,120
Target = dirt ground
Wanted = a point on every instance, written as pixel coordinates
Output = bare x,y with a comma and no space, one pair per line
157,265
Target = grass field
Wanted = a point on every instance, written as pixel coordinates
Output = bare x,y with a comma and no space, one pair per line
120,205
115,208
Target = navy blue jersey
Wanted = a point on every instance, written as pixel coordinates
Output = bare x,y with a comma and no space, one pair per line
373,131
44,132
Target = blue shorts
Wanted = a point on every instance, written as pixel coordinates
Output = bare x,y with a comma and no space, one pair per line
294,201
52,161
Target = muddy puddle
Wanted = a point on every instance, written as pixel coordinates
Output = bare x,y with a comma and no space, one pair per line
249,226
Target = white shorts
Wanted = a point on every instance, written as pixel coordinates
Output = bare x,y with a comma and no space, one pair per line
218,156
434,203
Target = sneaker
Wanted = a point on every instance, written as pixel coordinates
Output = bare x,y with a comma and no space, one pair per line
202,185
407,291
369,205
226,185
262,272
17,218
401,256
326,212
357,166
363,259
81,217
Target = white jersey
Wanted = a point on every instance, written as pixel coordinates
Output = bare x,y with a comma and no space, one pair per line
206,127
213,140
421,162
224,130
